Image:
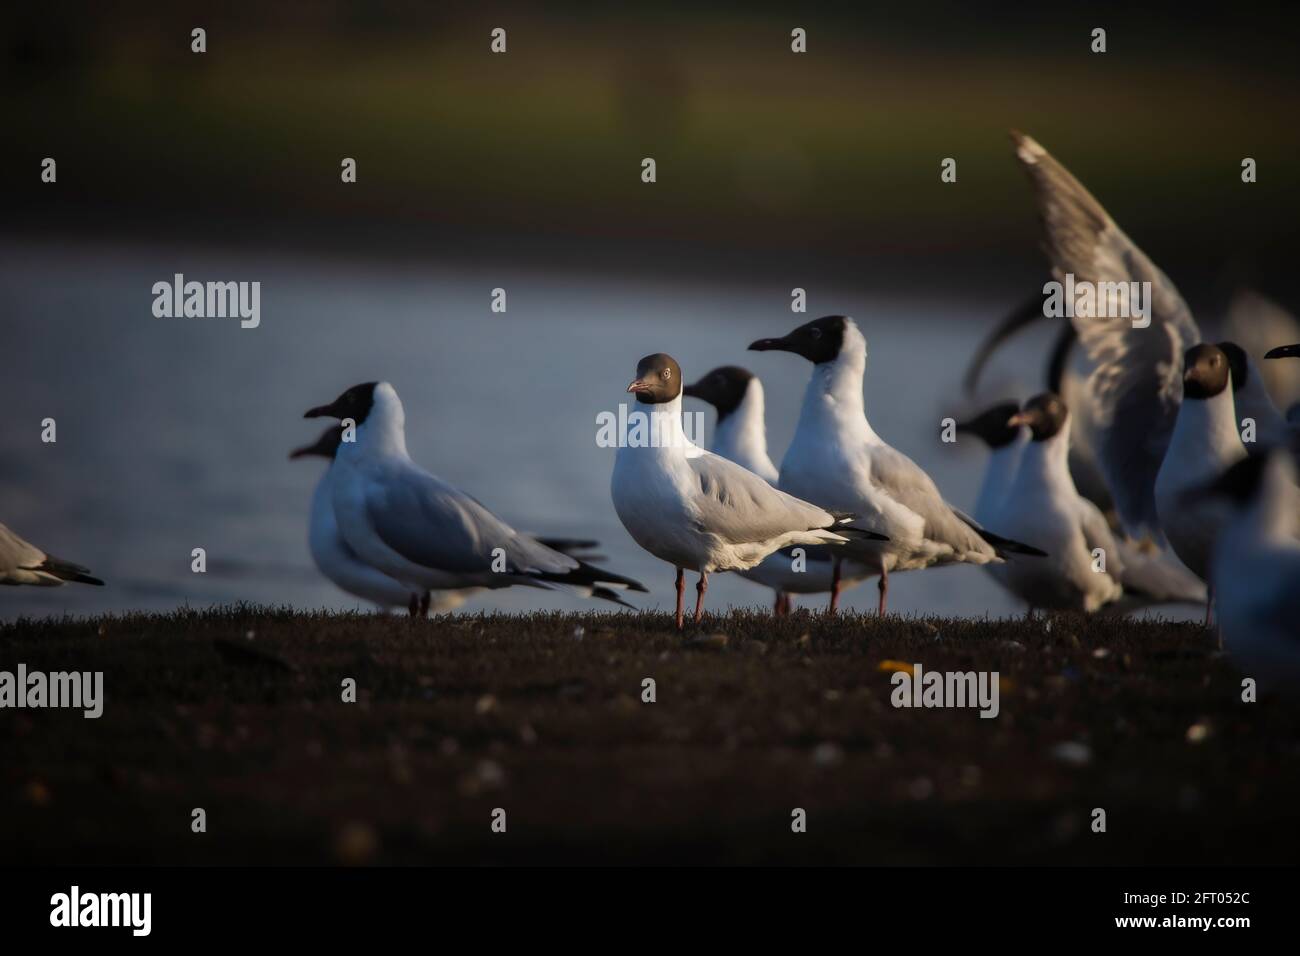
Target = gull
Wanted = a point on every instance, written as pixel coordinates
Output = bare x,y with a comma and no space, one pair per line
741,436
1256,568
422,531
696,510
340,563
837,460
1148,575
21,562
1204,443
1082,572
1251,319
1152,444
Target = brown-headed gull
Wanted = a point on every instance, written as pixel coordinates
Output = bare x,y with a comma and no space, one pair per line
699,511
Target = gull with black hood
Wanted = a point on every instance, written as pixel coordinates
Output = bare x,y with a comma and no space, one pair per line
837,460
741,436
697,510
425,533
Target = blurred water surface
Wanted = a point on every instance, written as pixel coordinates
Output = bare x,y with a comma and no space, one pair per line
174,433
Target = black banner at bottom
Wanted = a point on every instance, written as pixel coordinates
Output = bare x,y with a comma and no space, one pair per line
95,905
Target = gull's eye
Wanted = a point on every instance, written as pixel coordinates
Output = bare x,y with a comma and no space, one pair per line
815,332
667,374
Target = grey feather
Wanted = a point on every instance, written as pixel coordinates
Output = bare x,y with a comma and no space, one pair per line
906,482
430,523
1136,387
742,508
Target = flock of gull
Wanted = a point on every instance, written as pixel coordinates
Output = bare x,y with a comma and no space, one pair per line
1155,468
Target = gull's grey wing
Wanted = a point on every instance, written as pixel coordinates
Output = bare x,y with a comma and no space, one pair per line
906,482
1136,387
741,508
432,524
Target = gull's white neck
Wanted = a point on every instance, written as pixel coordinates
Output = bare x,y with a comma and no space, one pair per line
383,433
1047,463
1002,467
664,433
1205,438
833,399
742,435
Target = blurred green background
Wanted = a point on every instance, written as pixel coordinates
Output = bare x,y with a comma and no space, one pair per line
826,161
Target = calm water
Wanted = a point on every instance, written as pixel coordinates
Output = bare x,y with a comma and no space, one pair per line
174,433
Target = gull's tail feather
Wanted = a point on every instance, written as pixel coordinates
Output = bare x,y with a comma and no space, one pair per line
605,594
1002,546
1005,546
845,518
67,571
586,576
861,534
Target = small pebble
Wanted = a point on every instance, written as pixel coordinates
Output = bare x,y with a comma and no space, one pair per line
828,754
490,773
356,844
1073,753
37,794
714,642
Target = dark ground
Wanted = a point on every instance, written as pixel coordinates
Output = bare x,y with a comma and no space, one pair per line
239,712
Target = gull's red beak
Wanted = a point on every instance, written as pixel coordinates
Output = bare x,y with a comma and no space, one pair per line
639,386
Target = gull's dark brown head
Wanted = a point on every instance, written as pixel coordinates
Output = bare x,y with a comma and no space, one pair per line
1045,415
818,341
658,379
355,404
1206,371
324,447
724,388
992,426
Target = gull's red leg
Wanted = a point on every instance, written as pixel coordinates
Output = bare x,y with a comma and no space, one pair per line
836,568
700,587
681,595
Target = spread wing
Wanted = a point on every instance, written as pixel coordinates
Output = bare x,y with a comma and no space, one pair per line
1136,386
